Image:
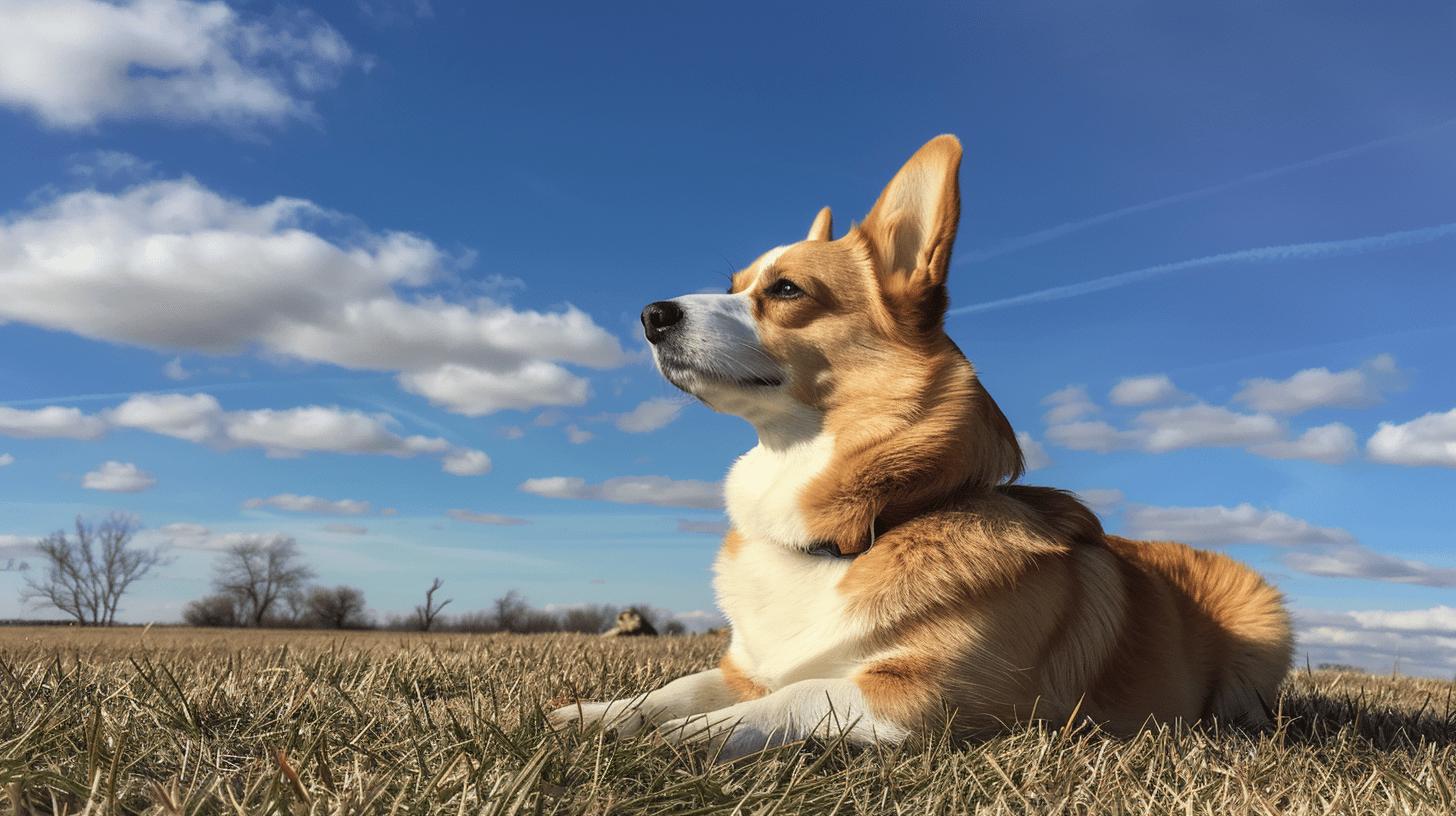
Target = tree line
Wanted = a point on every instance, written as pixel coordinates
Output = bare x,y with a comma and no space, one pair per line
264,582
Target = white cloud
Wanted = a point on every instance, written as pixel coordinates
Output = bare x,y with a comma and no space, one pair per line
577,435
183,529
1036,455
14,546
193,417
472,517
1068,404
1418,641
1244,524
144,267
6,459
174,370
1320,388
1103,500
513,432
293,431
1361,562
281,433
294,503
466,462
650,415
1437,619
190,536
1201,425
108,164
1331,444
1323,551
1429,440
1147,390
118,477
656,490
1094,435
50,422
474,392
73,63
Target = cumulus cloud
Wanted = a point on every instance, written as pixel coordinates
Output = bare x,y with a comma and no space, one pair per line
650,415
1331,444
1103,500
1416,641
656,490
6,459
1244,524
1320,388
50,422
1429,440
1036,455
73,63
280,433
1361,562
1313,550
1147,390
118,477
466,462
472,517
1200,426
190,536
174,370
577,435
144,267
1068,404
294,503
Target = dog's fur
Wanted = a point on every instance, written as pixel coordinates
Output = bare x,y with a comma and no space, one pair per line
956,593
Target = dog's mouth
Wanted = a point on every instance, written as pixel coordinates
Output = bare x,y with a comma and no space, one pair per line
692,378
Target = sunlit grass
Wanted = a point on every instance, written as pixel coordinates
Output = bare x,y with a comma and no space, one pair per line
193,721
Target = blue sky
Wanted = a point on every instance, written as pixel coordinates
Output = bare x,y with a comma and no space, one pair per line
351,253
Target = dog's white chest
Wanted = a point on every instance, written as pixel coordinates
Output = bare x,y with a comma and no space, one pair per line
762,490
788,615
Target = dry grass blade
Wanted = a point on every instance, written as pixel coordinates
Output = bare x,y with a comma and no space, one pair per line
253,722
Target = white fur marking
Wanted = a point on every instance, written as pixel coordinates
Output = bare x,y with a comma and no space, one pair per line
820,708
764,485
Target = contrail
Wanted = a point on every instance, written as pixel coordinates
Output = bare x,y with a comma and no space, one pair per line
1052,233
179,389
1287,252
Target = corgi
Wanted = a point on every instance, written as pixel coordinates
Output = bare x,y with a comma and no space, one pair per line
884,575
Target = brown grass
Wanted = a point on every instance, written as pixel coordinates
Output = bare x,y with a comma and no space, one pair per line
189,721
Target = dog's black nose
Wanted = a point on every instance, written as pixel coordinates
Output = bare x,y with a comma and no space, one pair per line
659,318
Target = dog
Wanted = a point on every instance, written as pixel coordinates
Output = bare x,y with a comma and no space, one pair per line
884,575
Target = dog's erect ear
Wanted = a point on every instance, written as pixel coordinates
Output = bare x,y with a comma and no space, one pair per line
913,224
823,227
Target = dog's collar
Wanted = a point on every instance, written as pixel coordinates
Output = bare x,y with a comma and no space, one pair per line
830,549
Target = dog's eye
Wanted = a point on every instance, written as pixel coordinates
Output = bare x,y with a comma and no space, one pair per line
784,288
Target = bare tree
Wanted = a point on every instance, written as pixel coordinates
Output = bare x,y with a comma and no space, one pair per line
341,607
87,575
511,612
258,573
425,615
219,609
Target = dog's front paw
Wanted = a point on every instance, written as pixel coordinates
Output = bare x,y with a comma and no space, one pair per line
719,736
622,720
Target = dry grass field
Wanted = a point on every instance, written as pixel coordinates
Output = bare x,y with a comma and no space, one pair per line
192,721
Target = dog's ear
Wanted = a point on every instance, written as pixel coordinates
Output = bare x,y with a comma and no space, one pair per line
913,224
823,227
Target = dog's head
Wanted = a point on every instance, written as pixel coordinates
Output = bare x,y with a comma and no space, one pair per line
839,332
